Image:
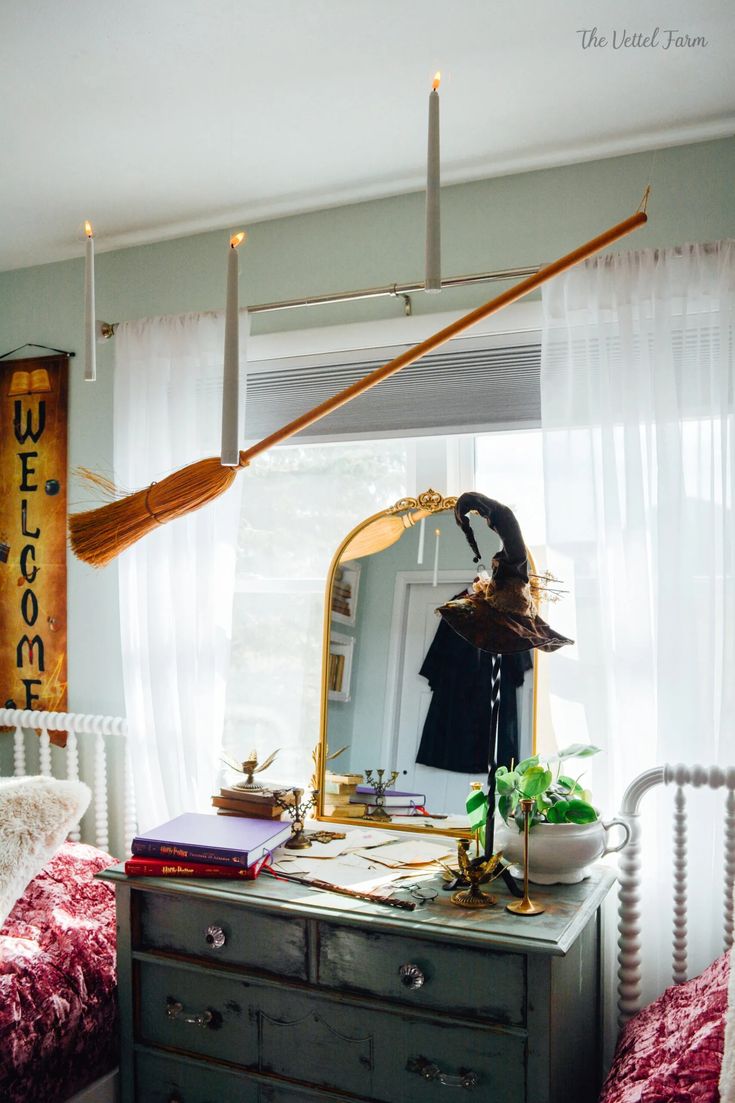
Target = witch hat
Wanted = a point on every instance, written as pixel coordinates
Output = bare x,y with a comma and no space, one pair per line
499,613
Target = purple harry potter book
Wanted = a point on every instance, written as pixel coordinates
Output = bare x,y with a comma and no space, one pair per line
394,798
222,840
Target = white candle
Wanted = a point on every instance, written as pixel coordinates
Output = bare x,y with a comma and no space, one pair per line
433,272
90,322
437,533
230,456
420,557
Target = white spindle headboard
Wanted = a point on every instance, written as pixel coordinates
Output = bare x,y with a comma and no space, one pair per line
629,891
94,731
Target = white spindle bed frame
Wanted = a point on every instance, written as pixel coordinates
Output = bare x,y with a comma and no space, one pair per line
97,730
629,892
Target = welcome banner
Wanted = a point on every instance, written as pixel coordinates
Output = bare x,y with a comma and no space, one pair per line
33,471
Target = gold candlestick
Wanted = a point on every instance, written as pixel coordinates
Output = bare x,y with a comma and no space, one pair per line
525,906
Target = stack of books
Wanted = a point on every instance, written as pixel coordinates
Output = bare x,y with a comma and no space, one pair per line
336,671
341,596
338,791
197,845
396,802
256,803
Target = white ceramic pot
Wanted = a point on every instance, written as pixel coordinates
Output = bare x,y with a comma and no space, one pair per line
558,853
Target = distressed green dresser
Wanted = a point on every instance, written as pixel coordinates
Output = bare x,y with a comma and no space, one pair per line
267,992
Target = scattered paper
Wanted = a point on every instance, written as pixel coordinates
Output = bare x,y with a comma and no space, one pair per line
410,854
363,878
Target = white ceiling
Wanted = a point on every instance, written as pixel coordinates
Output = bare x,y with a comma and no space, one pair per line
158,118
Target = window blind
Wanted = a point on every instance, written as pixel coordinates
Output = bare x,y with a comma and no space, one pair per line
469,385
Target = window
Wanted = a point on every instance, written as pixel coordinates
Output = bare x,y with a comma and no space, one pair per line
298,503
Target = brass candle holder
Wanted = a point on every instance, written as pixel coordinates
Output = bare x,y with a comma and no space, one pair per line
298,809
526,905
474,872
379,784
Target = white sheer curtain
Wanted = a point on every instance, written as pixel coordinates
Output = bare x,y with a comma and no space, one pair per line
176,585
637,387
300,501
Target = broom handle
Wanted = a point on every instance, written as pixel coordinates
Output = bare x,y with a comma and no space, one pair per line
596,245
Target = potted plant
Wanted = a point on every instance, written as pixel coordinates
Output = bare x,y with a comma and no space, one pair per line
567,832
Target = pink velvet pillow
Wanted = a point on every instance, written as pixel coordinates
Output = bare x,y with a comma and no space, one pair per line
671,1051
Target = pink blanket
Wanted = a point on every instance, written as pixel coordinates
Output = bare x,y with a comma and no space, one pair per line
57,981
671,1051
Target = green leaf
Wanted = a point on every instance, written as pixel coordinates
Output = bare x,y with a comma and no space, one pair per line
558,812
579,811
534,781
507,805
577,750
504,783
570,786
526,764
542,805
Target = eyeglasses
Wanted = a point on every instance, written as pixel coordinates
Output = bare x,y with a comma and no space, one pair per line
422,894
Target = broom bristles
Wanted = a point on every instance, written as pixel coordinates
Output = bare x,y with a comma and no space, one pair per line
380,534
98,535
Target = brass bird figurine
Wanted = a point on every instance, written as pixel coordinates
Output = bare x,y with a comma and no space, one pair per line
475,872
249,768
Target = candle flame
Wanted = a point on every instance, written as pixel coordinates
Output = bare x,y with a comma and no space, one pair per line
88,229
437,81
437,532
237,239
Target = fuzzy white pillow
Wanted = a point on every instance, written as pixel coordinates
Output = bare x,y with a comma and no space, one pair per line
36,815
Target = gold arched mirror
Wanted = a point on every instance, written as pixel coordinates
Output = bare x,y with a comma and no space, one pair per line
401,692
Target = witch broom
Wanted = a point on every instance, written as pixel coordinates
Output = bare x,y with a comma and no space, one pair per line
98,535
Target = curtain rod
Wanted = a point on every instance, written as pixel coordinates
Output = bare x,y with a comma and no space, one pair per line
394,290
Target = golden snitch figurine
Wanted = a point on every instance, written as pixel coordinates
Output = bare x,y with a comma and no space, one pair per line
249,768
476,871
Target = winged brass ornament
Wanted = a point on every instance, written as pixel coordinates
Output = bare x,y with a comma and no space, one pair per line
249,768
473,872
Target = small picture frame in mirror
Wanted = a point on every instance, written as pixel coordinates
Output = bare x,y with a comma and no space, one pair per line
340,666
344,593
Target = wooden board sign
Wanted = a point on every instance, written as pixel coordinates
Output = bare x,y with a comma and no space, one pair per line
33,501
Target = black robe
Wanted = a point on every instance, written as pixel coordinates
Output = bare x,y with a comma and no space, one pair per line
456,733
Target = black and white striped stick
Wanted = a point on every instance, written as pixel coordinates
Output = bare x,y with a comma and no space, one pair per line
495,661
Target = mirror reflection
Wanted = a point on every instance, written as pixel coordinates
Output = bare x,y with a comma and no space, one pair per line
402,692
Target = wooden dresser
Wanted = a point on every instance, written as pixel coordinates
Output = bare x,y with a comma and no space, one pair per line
267,992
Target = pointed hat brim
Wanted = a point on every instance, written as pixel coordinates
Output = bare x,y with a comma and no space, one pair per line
499,631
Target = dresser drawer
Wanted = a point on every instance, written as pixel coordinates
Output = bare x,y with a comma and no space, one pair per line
166,1080
478,984
319,1042
196,1013
222,933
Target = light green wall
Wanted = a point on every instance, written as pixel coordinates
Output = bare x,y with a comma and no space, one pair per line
359,723
505,222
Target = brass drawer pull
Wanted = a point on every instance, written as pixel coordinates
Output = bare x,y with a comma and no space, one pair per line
465,1079
175,1010
411,976
215,937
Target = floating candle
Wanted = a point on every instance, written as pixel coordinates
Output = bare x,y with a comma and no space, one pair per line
230,456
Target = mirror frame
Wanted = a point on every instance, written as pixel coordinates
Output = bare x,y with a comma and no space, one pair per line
426,504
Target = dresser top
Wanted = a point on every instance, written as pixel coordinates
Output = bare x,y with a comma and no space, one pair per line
568,909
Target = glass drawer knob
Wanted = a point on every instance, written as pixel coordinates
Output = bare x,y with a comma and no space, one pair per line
411,976
215,937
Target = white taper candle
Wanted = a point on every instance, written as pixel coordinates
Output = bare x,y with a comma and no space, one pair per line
437,533
230,456
90,322
433,272
420,556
